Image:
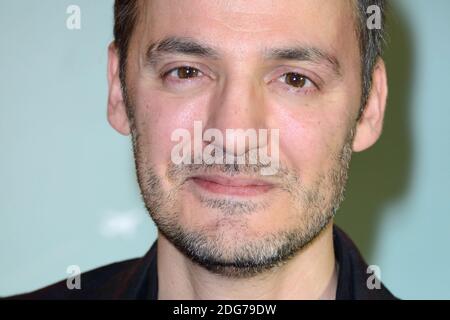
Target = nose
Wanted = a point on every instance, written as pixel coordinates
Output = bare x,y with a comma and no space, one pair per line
238,111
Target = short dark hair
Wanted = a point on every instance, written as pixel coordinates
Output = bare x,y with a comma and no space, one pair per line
371,44
371,41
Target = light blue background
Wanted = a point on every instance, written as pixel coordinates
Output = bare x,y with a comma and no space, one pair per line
68,193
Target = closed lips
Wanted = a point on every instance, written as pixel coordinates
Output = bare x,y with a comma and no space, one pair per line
232,186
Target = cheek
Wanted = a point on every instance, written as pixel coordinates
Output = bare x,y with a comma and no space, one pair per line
303,144
157,117
309,141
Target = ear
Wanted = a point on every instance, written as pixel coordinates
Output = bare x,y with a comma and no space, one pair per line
370,125
117,115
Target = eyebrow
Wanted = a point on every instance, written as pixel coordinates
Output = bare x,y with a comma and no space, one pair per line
300,53
177,45
191,47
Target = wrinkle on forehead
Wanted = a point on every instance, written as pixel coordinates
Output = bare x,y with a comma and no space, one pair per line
242,26
247,16
242,6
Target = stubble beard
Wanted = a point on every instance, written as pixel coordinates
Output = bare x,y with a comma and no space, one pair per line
316,207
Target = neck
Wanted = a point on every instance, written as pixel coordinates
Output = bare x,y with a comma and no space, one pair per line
310,274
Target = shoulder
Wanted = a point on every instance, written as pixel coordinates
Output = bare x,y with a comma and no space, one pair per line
101,283
356,280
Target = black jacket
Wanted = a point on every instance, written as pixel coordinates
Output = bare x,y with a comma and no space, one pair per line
138,278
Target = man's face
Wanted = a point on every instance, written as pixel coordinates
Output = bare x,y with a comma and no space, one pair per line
231,219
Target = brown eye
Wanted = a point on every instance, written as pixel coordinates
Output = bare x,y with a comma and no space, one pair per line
186,72
295,80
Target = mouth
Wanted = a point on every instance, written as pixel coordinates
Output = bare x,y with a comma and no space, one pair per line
235,186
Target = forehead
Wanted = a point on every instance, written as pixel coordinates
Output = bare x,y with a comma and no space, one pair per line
240,27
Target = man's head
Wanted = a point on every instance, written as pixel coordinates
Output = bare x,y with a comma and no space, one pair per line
304,67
